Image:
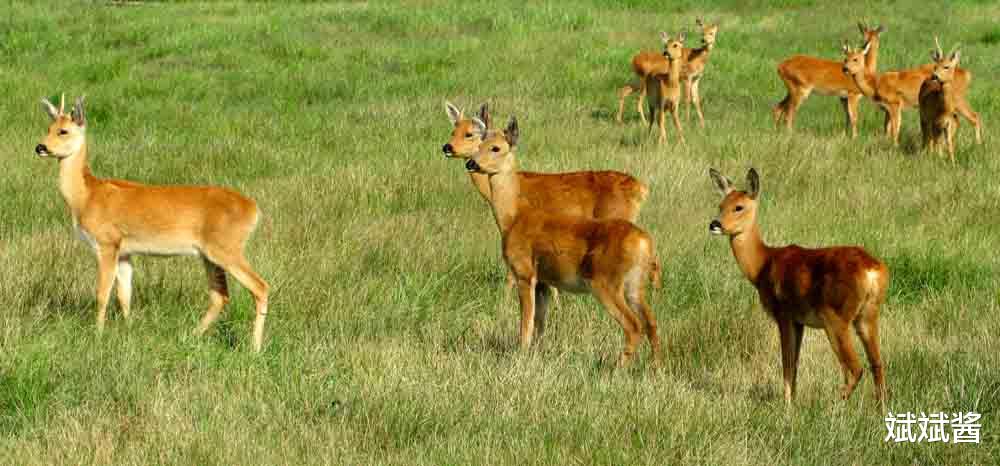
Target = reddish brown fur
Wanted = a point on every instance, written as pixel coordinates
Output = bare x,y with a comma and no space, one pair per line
803,74
122,218
829,288
611,258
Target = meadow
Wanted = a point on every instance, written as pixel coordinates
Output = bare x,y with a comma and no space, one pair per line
389,339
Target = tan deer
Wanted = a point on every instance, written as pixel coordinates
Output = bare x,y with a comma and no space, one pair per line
829,288
611,258
695,61
896,91
803,75
646,62
665,82
120,219
591,194
939,102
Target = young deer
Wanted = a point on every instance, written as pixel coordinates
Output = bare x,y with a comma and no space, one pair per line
939,103
119,219
804,74
612,258
828,288
896,91
694,67
666,85
695,60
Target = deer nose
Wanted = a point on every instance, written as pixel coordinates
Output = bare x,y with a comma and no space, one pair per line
472,166
41,149
715,227
448,149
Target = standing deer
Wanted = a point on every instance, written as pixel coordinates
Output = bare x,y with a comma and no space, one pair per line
803,74
828,288
896,91
665,82
646,62
119,219
610,258
590,194
939,102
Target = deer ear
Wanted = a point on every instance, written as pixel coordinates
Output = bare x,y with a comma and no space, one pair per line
79,116
512,133
955,56
484,114
721,182
880,29
680,37
50,109
454,114
861,27
480,125
699,22
867,46
665,37
753,180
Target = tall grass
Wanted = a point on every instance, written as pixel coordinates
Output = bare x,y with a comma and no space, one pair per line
389,339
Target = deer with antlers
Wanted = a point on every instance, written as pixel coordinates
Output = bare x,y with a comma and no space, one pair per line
610,258
940,103
695,60
120,219
803,75
829,288
665,82
896,91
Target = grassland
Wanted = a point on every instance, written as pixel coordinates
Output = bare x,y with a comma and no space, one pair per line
389,340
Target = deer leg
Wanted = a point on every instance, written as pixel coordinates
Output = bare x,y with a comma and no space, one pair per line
107,263
677,123
218,295
662,119
124,289
966,111
542,295
696,98
635,293
623,93
790,334
851,109
843,348
949,134
778,111
614,302
240,269
793,106
897,123
643,90
866,327
526,292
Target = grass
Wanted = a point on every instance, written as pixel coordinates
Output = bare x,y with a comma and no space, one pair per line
389,339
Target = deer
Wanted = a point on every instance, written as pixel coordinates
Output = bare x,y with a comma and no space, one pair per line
896,91
830,288
612,259
120,219
695,60
591,194
939,102
803,74
665,80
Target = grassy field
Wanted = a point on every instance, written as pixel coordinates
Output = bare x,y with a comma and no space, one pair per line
389,340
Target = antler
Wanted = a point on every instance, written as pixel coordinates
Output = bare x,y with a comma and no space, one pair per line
938,54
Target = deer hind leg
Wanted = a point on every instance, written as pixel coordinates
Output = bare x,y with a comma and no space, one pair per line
218,295
843,348
866,326
643,90
662,120
791,346
240,269
966,111
107,264
635,294
623,93
124,288
695,94
780,109
613,301
542,295
677,120
797,97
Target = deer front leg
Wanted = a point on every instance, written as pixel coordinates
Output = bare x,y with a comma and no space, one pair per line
526,291
107,264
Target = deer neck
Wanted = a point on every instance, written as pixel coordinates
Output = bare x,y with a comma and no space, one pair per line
867,82
674,78
750,252
871,59
482,183
74,180
505,188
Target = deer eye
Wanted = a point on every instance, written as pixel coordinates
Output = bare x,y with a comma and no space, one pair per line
738,208
468,135
495,149
63,132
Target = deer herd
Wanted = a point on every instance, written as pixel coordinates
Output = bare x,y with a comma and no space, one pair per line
576,231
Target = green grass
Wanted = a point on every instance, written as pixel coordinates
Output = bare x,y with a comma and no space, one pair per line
389,340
